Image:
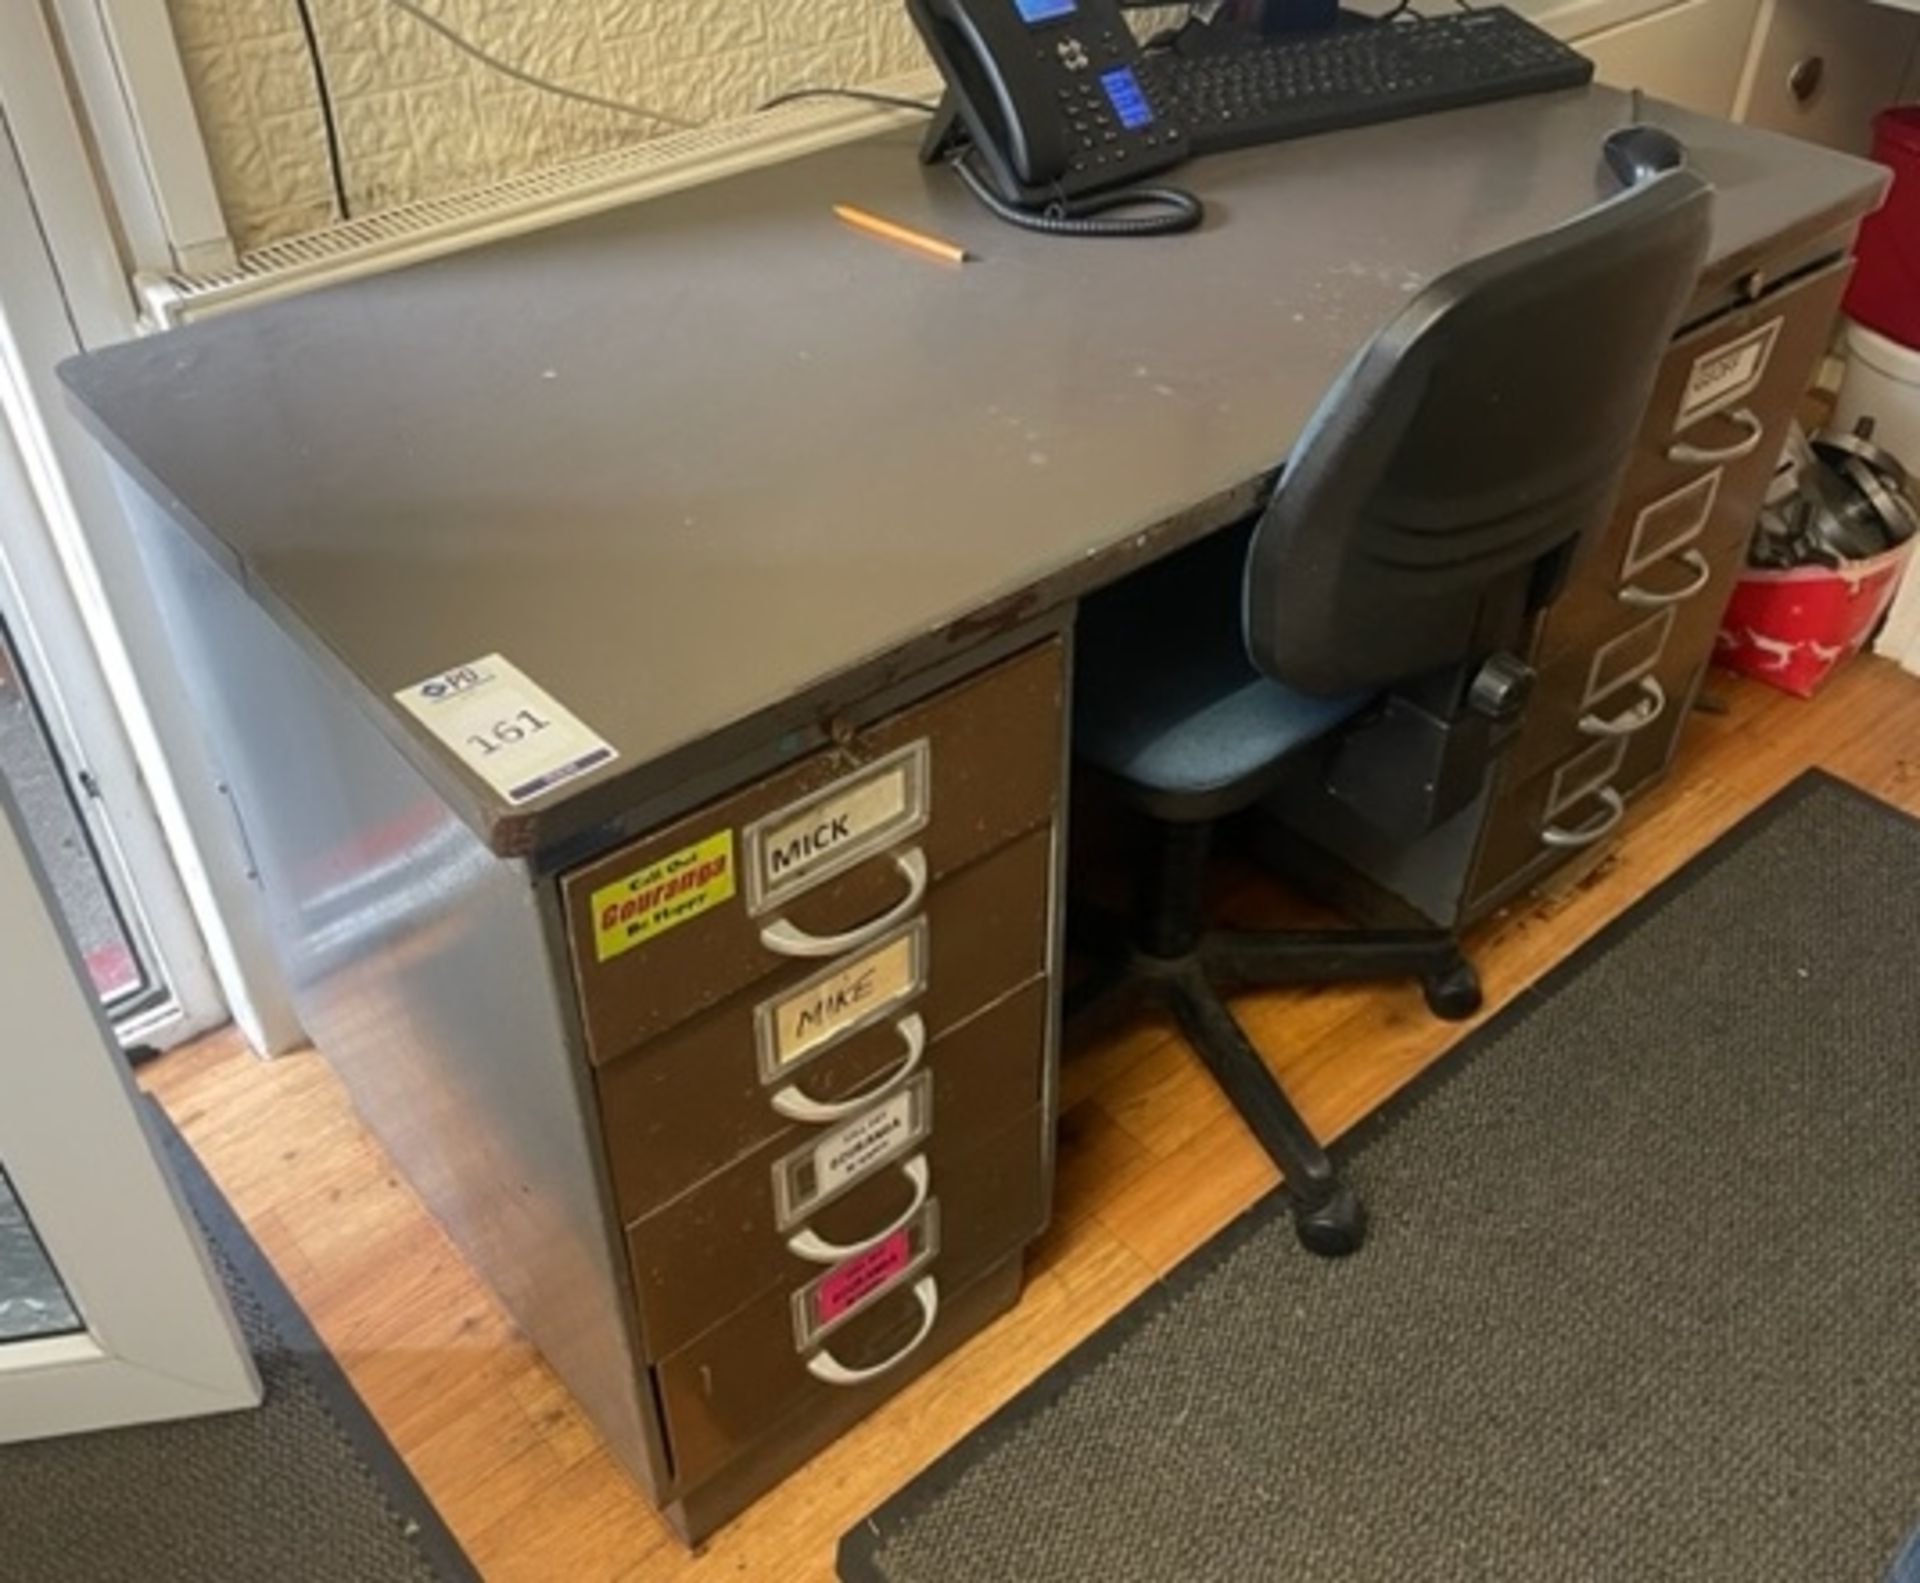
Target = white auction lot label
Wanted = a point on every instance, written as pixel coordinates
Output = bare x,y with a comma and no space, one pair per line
506,728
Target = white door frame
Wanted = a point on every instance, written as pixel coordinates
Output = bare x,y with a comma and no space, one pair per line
41,578
127,73
64,287
160,1338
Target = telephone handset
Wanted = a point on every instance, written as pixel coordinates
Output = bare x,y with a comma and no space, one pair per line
1053,97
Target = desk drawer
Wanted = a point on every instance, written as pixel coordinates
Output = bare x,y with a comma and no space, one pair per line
700,1258
1560,810
686,1105
1720,414
1614,690
1620,654
675,923
749,1373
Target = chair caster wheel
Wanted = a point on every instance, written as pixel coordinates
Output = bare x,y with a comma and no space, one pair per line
1335,1227
1454,995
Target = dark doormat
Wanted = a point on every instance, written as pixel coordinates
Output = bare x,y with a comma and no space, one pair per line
306,1487
1642,1299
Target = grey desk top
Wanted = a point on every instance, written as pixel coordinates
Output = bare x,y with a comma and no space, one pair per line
708,465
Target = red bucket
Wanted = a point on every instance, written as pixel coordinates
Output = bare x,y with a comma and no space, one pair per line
1886,286
1792,628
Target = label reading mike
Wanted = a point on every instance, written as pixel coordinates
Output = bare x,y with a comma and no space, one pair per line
840,1001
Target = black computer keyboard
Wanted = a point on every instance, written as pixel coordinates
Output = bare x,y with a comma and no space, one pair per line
1270,89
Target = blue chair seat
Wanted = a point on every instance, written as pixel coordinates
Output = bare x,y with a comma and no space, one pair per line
1169,703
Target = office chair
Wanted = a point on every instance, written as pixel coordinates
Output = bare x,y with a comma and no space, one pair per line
1376,615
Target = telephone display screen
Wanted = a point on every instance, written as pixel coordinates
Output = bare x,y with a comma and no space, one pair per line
1129,103
1032,11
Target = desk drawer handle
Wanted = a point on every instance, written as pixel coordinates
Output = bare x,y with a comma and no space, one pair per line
1652,705
1614,810
791,940
1707,455
1646,599
824,1365
797,1106
812,1246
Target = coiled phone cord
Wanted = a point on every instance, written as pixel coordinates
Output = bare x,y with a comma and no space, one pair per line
1178,210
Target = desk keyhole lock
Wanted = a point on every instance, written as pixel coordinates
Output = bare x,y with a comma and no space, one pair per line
842,732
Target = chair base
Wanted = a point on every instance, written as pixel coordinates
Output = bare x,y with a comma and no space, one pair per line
1328,1216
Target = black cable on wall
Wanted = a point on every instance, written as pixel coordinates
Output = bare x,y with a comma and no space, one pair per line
324,90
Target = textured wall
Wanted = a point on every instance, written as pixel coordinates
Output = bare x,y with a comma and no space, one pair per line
418,118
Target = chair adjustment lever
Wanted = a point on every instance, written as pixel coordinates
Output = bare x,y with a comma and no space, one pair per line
1501,687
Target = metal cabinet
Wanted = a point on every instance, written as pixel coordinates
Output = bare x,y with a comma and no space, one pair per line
1621,654
819,1021
1689,53
1821,69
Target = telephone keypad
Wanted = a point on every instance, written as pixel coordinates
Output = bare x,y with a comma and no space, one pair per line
1111,117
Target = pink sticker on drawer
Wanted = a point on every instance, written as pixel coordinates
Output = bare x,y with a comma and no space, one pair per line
849,1285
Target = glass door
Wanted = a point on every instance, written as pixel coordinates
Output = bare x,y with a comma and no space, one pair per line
110,1311
69,726
76,847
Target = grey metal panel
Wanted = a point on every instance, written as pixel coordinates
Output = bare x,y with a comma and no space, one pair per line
697,463
425,968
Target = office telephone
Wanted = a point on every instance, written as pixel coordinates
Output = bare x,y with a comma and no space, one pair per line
1050,115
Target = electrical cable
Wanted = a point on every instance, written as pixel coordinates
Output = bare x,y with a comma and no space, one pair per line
507,69
1180,210
323,90
891,100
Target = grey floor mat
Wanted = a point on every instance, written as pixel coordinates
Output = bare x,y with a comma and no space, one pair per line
303,1490
1642,1299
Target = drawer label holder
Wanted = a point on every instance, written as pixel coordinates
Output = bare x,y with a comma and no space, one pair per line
839,1001
830,830
819,1171
1671,523
830,1300
1723,374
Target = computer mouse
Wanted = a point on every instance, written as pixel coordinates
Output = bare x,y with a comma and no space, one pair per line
1642,151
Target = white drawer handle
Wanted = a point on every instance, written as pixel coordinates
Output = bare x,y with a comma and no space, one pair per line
823,1365
1652,705
795,1105
1706,455
1614,811
1646,599
790,940
811,1245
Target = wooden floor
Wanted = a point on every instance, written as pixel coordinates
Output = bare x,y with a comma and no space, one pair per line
1152,1163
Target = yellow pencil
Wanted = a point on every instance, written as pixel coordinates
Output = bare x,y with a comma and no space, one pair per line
932,246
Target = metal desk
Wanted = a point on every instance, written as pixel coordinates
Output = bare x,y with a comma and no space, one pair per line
645,433
764,502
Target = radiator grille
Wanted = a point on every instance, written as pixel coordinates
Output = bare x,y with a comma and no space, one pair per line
522,203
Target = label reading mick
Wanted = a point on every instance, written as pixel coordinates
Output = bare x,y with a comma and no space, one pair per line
838,826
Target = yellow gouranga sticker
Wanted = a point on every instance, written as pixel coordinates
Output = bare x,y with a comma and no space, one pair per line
663,895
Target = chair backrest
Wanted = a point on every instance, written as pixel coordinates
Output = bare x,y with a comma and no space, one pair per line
1479,438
